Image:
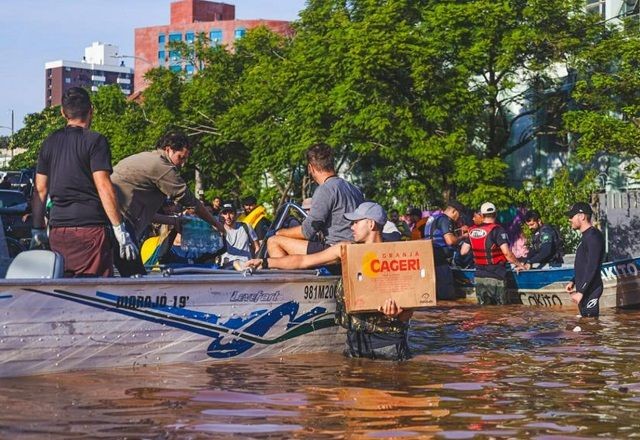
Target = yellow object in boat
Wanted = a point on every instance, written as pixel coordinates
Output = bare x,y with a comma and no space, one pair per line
254,216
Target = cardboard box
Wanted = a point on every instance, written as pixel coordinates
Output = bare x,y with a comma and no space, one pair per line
402,270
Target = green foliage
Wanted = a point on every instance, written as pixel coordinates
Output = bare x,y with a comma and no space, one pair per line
37,126
553,201
607,114
416,97
5,142
121,121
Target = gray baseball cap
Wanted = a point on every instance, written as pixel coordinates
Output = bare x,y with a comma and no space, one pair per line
368,210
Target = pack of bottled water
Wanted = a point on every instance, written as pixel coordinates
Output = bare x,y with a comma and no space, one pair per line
199,236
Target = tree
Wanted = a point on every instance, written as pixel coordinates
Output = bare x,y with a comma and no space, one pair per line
554,200
606,114
37,127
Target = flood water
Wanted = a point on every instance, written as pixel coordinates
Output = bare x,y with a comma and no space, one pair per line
493,372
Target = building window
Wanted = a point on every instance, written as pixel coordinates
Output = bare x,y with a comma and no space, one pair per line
174,55
68,69
161,38
630,7
216,37
189,69
239,33
175,37
189,37
175,68
67,80
598,7
161,56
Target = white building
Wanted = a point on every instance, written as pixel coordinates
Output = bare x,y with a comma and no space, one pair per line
99,66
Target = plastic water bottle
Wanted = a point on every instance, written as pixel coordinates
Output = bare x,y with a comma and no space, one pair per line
200,237
187,239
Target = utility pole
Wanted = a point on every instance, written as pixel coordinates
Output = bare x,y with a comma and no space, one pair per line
12,130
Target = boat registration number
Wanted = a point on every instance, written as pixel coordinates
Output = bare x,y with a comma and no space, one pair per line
319,291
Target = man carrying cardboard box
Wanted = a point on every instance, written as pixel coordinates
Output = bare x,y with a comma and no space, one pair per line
375,335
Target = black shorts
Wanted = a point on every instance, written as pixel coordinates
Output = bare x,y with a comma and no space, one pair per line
313,247
590,303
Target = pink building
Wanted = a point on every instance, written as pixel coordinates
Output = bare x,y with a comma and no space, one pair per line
189,18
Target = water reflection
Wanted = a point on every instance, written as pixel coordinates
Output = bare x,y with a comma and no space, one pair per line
477,373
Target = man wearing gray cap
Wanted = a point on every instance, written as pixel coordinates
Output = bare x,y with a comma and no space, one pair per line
491,253
377,335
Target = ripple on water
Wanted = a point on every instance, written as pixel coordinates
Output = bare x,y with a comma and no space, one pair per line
476,373
243,429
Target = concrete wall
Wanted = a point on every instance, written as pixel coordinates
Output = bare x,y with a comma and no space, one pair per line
619,217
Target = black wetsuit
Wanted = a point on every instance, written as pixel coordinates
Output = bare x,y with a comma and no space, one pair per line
587,279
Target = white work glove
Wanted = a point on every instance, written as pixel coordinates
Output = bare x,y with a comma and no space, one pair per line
128,249
39,238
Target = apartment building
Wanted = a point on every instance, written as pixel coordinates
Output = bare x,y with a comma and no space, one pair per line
99,66
190,18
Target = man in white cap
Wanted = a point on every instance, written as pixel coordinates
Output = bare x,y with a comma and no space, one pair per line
490,247
377,335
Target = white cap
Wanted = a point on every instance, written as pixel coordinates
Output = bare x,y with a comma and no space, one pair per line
488,208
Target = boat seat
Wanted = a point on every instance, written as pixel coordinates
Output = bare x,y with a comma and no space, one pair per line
36,263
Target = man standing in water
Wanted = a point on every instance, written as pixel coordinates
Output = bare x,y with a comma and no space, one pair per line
491,253
377,335
586,286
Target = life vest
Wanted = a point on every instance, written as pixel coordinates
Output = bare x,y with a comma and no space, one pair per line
417,233
484,250
254,216
435,234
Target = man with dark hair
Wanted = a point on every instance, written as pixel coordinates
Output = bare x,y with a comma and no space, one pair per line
403,227
143,182
586,286
441,230
74,167
241,239
491,252
325,225
255,216
418,223
216,206
377,335
546,245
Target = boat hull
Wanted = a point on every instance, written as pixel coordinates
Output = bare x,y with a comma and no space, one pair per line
68,324
546,287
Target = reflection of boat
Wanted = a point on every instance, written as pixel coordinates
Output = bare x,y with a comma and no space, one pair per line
546,287
65,324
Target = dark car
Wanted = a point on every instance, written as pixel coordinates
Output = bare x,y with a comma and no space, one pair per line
14,209
20,180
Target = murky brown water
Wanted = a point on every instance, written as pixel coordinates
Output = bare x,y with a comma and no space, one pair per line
496,372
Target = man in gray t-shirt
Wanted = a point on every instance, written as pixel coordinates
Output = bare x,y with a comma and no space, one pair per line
326,224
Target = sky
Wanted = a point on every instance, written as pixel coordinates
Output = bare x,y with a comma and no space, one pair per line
33,32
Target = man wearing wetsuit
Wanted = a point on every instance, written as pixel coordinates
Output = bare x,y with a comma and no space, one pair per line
586,286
